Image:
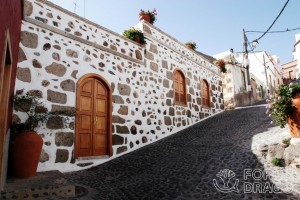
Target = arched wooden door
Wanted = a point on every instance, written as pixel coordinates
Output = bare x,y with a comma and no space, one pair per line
93,117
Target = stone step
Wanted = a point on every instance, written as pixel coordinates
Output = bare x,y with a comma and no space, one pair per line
44,184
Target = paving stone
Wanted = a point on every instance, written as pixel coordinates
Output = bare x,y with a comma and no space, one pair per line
183,165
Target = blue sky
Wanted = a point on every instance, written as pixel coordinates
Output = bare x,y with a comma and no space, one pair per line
215,25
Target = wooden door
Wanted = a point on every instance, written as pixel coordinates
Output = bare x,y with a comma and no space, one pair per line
92,119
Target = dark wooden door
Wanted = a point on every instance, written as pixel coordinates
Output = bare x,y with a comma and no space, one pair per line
92,119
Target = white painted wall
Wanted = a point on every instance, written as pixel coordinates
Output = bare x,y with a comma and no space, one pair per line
297,55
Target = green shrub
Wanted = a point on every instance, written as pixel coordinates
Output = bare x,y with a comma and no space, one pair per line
135,35
287,141
278,162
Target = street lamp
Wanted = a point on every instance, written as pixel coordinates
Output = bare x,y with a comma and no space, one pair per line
254,43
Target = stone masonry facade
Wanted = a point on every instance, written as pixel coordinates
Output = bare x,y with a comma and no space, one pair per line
58,47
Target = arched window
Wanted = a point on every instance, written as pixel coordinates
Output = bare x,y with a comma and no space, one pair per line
205,94
179,88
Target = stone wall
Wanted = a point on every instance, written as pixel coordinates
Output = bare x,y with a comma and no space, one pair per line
61,47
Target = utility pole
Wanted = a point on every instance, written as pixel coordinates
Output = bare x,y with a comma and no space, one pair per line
247,64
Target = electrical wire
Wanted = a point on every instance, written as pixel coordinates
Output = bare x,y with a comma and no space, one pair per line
274,21
287,30
252,50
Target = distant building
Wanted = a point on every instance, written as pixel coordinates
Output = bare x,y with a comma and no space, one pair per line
288,71
236,88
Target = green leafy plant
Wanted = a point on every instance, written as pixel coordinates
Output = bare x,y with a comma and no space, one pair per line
135,35
35,110
221,63
279,162
280,106
192,44
152,14
287,141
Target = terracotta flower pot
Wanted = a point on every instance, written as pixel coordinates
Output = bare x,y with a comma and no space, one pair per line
25,155
145,17
189,46
294,119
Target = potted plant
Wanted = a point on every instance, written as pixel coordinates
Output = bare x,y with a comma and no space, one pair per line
149,16
284,107
191,45
135,35
221,63
26,145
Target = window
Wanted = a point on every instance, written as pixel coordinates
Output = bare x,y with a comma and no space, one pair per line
179,88
205,93
290,74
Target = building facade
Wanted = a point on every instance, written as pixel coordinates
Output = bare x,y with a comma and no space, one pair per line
238,91
288,72
10,20
125,95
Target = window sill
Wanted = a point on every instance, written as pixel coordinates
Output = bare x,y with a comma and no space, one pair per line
180,104
206,107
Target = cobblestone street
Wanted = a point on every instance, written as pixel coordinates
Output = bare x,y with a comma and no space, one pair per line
183,166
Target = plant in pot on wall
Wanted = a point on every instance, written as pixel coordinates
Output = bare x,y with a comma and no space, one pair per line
26,144
284,107
149,16
135,35
191,45
221,63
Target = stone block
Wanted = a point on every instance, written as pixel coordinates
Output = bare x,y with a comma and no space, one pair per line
24,74
55,122
35,93
153,48
275,151
122,129
21,56
64,139
154,66
133,130
62,156
168,121
121,149
29,40
68,85
123,110
27,8
165,64
166,83
291,154
138,55
117,99
124,89
56,69
118,119
117,140
56,97
149,55
44,157
71,53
